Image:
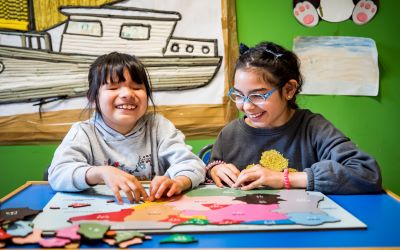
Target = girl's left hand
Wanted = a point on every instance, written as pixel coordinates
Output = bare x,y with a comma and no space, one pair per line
258,176
163,185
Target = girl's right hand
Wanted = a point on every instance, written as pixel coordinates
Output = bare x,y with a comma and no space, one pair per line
117,180
227,173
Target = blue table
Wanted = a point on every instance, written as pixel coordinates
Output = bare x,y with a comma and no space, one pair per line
380,212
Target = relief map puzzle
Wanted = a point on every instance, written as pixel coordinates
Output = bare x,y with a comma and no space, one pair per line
203,209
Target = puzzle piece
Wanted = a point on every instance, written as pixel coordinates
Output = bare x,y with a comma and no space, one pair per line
110,216
178,238
4,235
69,233
20,228
54,242
13,214
72,245
260,199
134,241
127,235
197,221
93,231
311,219
32,238
78,205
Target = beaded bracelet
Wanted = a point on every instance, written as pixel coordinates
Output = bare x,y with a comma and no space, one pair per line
213,164
209,167
286,180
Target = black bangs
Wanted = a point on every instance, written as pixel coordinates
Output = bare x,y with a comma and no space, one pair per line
113,74
113,70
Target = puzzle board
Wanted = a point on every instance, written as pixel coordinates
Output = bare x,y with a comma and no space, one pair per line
205,209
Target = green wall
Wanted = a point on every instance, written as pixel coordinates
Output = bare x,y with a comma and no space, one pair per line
369,121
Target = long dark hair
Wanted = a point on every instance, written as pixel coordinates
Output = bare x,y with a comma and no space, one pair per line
276,64
112,66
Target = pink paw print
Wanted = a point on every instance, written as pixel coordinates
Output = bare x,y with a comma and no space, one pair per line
306,14
364,11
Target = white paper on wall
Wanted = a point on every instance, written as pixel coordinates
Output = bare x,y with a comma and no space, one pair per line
334,65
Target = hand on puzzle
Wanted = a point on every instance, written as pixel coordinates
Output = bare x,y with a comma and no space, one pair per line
258,176
118,180
227,173
165,186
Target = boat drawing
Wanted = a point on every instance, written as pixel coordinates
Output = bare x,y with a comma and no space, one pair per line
34,72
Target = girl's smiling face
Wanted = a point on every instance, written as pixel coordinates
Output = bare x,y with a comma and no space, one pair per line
122,103
274,112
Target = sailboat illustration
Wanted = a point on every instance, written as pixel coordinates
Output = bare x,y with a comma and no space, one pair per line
34,72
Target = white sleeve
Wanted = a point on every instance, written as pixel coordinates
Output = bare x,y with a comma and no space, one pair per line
176,156
67,171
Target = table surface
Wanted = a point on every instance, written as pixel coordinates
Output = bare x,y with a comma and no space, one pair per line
380,212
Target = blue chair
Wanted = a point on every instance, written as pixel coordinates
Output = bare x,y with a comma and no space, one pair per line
205,153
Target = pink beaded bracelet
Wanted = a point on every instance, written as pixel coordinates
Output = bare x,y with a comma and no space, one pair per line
286,180
213,164
209,167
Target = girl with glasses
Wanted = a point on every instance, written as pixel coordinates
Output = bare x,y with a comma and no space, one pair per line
266,82
123,143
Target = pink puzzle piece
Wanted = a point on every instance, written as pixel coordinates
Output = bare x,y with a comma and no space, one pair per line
239,212
69,233
78,205
54,242
134,241
32,238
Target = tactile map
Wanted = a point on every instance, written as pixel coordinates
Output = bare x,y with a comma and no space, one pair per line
203,209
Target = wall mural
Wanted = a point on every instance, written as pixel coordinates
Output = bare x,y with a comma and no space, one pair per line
44,64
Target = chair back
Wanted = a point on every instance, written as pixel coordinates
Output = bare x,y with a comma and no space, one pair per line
205,153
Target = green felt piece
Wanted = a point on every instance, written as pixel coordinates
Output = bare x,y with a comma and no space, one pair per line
197,221
127,235
178,238
93,231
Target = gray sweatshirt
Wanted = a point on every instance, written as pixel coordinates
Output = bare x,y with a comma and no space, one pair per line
311,144
153,147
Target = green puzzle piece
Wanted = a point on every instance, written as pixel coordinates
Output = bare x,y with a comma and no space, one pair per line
93,231
127,235
178,238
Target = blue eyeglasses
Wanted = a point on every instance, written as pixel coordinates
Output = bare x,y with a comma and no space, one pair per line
256,99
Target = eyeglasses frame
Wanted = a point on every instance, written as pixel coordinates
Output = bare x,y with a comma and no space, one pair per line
247,98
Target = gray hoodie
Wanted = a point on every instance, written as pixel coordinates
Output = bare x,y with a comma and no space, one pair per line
153,147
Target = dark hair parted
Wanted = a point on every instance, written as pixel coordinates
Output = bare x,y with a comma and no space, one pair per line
111,67
276,64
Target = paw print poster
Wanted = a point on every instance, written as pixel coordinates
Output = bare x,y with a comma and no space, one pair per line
310,12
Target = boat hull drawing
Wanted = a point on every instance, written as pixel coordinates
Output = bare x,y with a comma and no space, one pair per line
29,73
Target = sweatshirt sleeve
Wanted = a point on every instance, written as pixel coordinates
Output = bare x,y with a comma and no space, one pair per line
67,171
216,153
341,168
175,156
